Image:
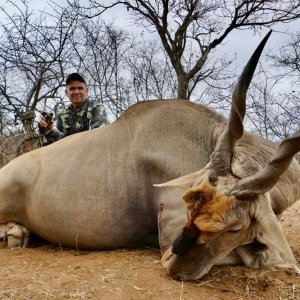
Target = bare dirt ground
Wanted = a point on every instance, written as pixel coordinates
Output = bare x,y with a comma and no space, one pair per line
49,272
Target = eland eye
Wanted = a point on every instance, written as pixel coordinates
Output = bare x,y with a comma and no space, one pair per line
235,228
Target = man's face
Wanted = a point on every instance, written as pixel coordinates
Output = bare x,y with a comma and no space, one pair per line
77,92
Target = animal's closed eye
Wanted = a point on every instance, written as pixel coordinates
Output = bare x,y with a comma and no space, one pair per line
236,228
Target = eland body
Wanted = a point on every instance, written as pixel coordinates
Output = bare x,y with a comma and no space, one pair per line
95,189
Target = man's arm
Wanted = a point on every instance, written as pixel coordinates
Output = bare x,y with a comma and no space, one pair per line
98,116
50,133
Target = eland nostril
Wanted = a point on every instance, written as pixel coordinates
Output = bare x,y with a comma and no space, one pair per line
177,269
181,275
174,276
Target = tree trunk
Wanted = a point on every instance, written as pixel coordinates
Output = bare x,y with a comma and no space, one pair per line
183,82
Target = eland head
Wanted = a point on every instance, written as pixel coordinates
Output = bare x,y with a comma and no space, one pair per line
230,215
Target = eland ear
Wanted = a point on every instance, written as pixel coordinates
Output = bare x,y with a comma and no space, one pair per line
192,196
184,182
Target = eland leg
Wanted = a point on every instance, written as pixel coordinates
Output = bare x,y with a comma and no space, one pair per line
15,235
258,256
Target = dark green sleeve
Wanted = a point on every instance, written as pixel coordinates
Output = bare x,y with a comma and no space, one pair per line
99,117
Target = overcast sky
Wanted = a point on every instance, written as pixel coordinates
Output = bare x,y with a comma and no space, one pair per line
242,43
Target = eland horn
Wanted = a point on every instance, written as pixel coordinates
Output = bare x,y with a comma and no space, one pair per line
267,177
222,155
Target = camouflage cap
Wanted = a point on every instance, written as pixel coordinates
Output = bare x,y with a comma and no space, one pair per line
73,77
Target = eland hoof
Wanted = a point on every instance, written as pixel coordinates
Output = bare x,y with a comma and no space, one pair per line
15,235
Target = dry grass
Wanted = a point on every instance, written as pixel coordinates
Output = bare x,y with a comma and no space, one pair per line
51,272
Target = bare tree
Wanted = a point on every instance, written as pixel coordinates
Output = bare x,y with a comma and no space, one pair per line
150,73
101,50
271,111
33,55
273,98
184,26
288,57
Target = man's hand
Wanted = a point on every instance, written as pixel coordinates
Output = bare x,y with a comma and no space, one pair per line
45,122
